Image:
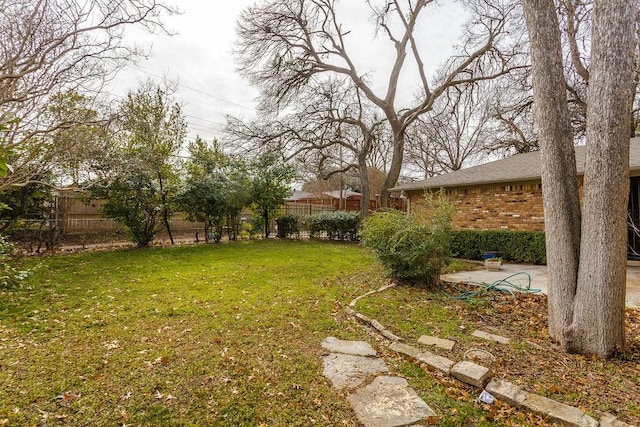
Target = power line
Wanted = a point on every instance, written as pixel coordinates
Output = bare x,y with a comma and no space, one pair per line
196,127
193,89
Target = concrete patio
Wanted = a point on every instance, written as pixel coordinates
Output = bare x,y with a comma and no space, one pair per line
515,274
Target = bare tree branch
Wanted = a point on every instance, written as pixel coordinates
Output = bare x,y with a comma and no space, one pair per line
284,45
49,47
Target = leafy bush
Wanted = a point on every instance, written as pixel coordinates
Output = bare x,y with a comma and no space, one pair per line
517,246
134,201
337,225
288,225
410,247
10,277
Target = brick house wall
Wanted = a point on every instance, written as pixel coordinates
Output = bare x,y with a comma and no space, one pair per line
506,206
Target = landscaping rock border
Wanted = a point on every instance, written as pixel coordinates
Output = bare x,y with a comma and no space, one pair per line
481,377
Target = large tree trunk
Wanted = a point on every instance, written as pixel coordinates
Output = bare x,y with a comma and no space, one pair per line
598,321
559,176
364,185
587,277
396,165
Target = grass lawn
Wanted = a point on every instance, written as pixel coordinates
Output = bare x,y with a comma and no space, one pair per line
204,335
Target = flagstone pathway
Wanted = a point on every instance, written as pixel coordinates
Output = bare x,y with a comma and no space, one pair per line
377,399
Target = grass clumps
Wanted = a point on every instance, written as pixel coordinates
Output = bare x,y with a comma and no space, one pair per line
224,335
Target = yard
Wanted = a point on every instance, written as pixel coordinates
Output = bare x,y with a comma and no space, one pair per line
219,335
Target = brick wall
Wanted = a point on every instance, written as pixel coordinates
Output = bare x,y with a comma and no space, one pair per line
512,206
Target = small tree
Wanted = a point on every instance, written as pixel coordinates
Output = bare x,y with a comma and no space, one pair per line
155,129
216,190
139,178
270,182
133,200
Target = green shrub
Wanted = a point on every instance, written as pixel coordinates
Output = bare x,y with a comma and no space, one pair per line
336,225
410,247
10,276
517,246
288,225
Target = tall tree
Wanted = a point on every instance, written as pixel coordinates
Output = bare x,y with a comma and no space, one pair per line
586,255
331,130
453,133
155,130
51,47
79,142
285,44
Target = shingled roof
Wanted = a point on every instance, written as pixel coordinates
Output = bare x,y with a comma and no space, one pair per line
521,167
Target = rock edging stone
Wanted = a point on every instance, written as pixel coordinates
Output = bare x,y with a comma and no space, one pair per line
478,376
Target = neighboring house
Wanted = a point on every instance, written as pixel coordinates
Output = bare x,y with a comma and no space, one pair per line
507,194
347,200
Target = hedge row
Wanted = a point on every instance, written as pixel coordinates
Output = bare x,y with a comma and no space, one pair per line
288,226
336,225
517,246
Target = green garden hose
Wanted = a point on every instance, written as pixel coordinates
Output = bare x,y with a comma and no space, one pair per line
503,285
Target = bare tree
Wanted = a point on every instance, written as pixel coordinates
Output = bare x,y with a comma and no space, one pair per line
511,128
332,130
586,256
57,46
284,44
453,133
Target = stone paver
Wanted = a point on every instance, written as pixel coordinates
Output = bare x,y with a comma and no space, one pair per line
508,392
438,362
356,348
363,317
558,412
471,373
608,420
491,337
405,349
355,301
345,370
438,342
389,402
390,335
379,326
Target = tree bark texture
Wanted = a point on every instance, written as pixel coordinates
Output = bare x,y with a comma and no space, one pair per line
559,176
364,184
598,322
586,256
396,165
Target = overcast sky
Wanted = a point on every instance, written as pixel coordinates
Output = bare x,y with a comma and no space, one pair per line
199,57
